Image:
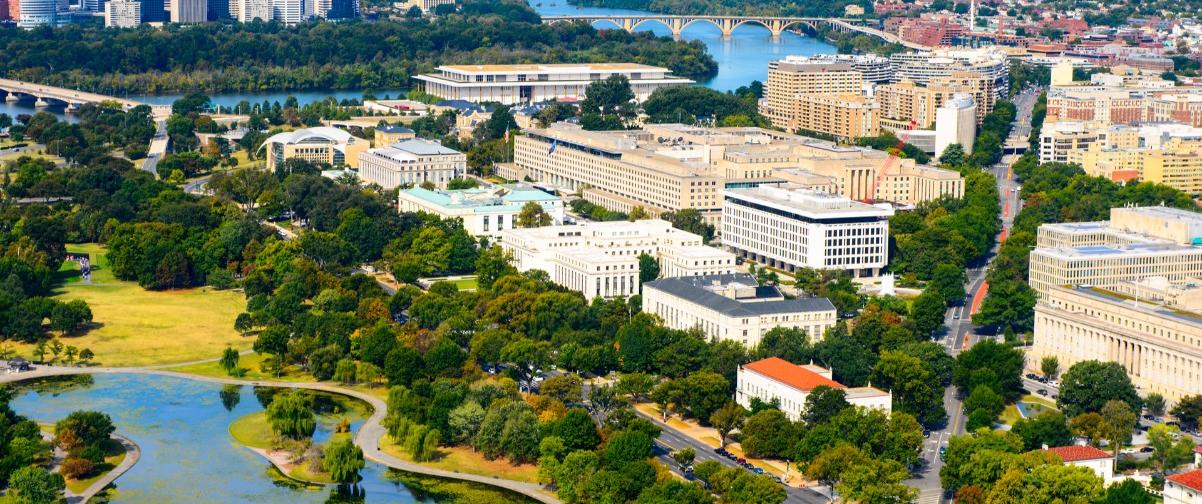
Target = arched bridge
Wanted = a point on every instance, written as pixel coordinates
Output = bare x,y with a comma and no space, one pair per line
775,25
16,90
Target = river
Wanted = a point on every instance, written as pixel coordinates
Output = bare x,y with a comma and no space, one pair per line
741,59
188,455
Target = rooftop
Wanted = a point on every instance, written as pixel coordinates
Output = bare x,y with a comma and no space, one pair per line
482,198
320,134
1078,453
808,203
555,67
1191,479
416,147
791,374
736,295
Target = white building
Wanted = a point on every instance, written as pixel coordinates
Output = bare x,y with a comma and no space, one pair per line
484,211
412,162
189,11
1099,461
289,12
601,259
122,13
875,69
734,307
791,228
956,123
790,384
1183,488
250,10
35,13
516,84
920,67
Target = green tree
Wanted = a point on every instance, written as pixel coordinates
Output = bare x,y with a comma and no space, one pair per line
952,156
577,430
291,415
82,429
1128,491
1120,421
769,434
948,281
1090,426
1155,404
755,489
533,215
703,393
1088,385
648,268
927,312
990,363
1170,450
1188,411
229,360
674,492
913,385
343,461
574,473
609,98
34,485
1049,365
823,403
726,419
1047,428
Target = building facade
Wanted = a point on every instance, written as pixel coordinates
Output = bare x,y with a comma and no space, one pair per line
1099,461
921,67
873,68
1183,488
318,145
734,307
485,211
412,163
906,105
844,117
518,84
797,228
189,11
777,379
35,13
955,123
122,13
788,80
601,259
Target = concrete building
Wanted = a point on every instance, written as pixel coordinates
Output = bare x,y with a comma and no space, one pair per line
1058,140
189,11
412,163
1183,488
518,84
844,117
290,12
388,135
1169,154
797,228
734,307
35,13
485,211
789,79
955,123
601,259
920,67
862,174
1136,243
789,384
250,10
319,145
427,6
873,68
1099,461
907,105
1126,104
122,13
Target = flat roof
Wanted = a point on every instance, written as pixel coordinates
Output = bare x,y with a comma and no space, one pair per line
807,202
694,290
552,67
1101,251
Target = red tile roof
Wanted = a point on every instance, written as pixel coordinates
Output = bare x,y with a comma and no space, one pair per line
1192,479
791,374
1078,453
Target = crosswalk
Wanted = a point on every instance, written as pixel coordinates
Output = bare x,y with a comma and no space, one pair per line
930,496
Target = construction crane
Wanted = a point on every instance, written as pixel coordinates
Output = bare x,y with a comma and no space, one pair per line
891,162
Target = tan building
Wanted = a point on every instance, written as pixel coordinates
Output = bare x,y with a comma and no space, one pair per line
845,117
390,134
1169,154
854,171
427,6
906,101
318,145
788,80
412,163
1126,104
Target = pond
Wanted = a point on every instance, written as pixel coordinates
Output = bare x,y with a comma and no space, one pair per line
182,427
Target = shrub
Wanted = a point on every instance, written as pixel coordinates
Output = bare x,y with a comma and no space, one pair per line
77,468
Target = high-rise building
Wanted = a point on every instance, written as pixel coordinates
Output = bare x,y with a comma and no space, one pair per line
790,81
4,8
956,123
289,12
921,67
122,13
875,69
218,10
906,105
153,11
35,13
342,9
250,10
189,11
844,117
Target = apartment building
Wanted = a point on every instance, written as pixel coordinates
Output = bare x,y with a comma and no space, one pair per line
1125,105
1136,243
1059,140
1169,154
601,259
843,116
775,379
484,211
922,66
318,145
790,80
906,102
189,11
122,13
412,162
734,307
790,228
873,68
518,84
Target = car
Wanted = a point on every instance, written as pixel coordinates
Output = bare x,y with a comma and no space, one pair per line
758,470
1041,392
1147,449
719,451
1031,376
688,470
1053,396
1150,417
942,452
926,433
741,461
956,316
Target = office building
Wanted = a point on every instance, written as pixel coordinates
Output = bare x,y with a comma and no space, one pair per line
6,8
873,68
1136,243
250,10
861,174
775,379
734,307
844,117
1183,488
154,12
484,211
390,134
1125,105
219,10
122,13
189,11
518,84
317,145
1169,154
412,162
340,9
955,123
1059,140
921,67
290,12
791,229
35,13
907,105
427,6
1099,461
601,259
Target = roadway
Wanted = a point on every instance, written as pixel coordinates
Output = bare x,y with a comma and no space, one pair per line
158,148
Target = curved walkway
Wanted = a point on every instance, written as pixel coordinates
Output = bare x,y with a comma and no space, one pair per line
370,434
132,454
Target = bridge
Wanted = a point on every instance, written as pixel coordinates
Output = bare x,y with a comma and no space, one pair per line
44,95
775,25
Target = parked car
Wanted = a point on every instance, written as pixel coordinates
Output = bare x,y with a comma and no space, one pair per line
1041,392
1031,376
942,452
1147,449
741,461
926,433
758,470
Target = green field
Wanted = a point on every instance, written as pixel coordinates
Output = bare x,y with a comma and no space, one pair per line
253,430
252,363
137,327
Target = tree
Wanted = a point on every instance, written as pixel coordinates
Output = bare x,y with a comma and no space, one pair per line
913,386
34,485
1120,421
1049,365
769,433
823,403
702,393
1170,450
927,312
984,399
229,360
636,386
1047,428
648,268
990,363
566,388
577,430
82,429
291,415
674,492
611,99
830,466
533,215
70,317
1088,385
952,156
1090,426
752,488
1155,404
1188,411
1128,491
345,371
343,461
728,418
684,457
948,282
573,473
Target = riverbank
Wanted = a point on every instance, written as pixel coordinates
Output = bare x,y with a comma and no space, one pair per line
92,487
368,437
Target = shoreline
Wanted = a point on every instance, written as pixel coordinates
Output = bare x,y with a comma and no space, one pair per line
368,437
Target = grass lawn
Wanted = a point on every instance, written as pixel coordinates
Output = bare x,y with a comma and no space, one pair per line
1010,415
137,327
253,430
13,156
244,160
250,362
463,284
464,460
114,453
1039,402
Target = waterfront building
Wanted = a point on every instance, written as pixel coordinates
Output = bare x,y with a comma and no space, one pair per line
122,13
601,259
484,211
35,13
920,67
734,307
390,134
319,145
412,162
873,68
906,105
789,78
844,117
789,384
1183,488
1099,461
189,11
790,229
530,83
955,123
1137,242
